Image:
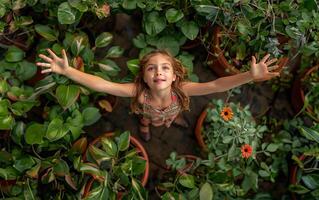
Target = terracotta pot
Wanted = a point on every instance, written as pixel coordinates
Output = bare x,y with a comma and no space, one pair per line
293,176
298,93
134,142
219,64
198,129
5,185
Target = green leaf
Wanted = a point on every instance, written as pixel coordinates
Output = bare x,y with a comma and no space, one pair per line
46,32
26,70
169,43
67,95
190,29
173,15
263,173
91,169
206,192
109,67
133,66
109,146
18,132
103,39
114,52
9,173
129,4
56,130
24,163
154,23
6,122
272,147
90,115
309,133
311,181
14,54
124,141
35,133
98,155
299,189
66,14
187,180
140,41
82,7
60,168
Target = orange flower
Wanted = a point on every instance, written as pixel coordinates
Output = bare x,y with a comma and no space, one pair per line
227,113
246,151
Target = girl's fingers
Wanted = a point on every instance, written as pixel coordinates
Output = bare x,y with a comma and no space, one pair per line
43,64
46,71
253,60
64,55
271,61
52,54
273,67
46,58
265,58
274,74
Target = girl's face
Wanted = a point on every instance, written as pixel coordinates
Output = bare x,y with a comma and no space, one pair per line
159,73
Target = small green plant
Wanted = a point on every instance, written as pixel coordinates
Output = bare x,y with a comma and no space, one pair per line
116,167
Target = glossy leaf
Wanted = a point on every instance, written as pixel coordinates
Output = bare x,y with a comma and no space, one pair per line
109,67
173,15
80,145
60,168
154,23
114,52
206,192
90,115
14,54
66,14
124,141
103,39
56,130
133,66
98,155
24,163
46,32
35,133
187,180
109,146
67,95
190,29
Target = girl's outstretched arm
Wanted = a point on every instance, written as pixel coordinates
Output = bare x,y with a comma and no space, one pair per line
61,66
258,72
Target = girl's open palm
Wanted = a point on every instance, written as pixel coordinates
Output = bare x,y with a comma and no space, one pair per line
263,71
54,63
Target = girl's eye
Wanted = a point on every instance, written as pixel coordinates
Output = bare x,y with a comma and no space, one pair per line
165,67
150,68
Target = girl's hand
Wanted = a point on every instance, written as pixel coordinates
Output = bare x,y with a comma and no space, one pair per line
260,71
54,63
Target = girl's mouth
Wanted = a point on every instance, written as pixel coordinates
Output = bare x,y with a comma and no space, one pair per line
159,80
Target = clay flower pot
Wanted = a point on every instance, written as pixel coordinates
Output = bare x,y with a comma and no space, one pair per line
298,92
198,129
218,62
134,143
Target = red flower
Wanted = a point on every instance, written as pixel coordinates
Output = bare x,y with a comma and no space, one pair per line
246,151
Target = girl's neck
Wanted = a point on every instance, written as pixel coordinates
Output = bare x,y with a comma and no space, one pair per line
161,97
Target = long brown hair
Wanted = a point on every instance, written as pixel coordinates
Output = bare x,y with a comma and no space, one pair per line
179,71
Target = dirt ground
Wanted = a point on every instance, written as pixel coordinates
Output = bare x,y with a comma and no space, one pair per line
259,96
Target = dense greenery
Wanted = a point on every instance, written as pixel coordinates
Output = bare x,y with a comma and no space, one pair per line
43,117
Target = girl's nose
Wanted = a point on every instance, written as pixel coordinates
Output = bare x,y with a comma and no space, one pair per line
158,72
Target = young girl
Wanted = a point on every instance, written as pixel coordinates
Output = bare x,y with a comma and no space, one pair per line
159,92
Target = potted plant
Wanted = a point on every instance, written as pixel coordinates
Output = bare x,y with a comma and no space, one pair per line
118,165
186,178
304,95
304,178
241,30
230,134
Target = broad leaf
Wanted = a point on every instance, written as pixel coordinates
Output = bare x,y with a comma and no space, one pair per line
67,95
